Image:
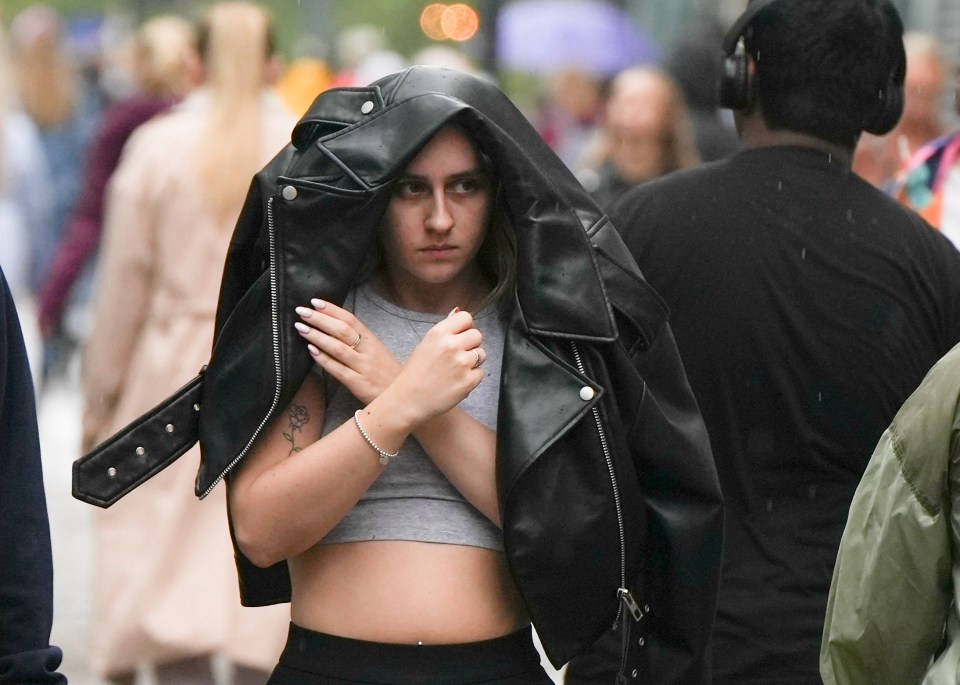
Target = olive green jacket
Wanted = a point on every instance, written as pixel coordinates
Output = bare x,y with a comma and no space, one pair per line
892,616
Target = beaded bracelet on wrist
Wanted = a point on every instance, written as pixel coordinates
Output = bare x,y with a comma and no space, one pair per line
384,457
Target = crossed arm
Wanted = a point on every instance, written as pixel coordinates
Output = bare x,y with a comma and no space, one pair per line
296,485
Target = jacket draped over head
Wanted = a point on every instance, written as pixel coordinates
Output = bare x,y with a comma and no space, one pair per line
604,471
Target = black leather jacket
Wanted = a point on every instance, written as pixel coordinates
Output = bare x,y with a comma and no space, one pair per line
610,503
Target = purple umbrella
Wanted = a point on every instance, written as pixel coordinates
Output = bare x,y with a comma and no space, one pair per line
541,36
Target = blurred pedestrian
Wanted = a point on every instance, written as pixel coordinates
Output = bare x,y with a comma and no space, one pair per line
694,61
302,81
165,590
807,306
26,574
364,55
900,552
879,158
65,110
54,96
570,111
24,203
162,73
645,133
929,182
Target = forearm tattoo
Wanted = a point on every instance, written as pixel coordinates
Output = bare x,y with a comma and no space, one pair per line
298,418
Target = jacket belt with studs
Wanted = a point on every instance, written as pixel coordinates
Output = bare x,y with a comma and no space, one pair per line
610,503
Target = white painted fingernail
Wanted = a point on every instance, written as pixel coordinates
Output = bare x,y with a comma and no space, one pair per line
304,312
318,303
303,328
313,350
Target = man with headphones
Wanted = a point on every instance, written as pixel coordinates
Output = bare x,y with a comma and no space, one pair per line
806,305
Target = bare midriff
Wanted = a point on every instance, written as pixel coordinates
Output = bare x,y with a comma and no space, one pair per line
405,592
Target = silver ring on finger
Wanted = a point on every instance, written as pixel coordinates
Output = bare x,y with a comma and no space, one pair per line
356,343
479,361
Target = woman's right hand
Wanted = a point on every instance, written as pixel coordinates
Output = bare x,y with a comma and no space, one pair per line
347,350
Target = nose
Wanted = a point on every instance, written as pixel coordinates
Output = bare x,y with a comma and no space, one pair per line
439,217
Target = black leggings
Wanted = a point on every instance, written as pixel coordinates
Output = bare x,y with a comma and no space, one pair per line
312,658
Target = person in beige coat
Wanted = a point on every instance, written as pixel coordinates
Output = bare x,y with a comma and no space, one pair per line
165,584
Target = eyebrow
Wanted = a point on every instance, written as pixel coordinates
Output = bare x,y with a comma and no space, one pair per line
471,173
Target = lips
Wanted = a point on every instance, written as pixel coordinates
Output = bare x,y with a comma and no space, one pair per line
439,250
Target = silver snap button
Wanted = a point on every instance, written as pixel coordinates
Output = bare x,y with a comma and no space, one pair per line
169,427
587,393
111,472
289,193
140,451
366,107
196,407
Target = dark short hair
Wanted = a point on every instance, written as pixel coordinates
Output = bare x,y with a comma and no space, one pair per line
821,63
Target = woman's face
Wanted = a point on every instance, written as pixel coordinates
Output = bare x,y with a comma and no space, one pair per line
437,218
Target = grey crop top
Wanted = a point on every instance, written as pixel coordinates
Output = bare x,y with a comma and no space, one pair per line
412,499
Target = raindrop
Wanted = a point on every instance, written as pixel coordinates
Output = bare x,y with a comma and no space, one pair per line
779,185
850,215
830,158
803,253
769,505
819,397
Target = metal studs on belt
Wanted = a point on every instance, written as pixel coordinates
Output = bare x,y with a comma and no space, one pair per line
111,472
169,427
140,451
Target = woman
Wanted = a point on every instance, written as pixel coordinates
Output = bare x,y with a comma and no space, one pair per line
410,369
385,482
496,430
162,71
164,595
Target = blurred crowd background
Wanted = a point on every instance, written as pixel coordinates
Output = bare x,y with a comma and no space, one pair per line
623,90
562,61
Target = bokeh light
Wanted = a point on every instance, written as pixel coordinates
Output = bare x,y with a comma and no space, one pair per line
430,20
458,22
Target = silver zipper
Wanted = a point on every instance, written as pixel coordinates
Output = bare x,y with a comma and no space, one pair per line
622,593
630,603
275,326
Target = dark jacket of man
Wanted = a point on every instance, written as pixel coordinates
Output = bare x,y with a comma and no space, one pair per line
26,569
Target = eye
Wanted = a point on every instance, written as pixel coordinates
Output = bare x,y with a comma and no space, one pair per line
469,185
409,188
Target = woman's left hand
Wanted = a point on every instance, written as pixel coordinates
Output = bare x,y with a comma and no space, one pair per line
346,349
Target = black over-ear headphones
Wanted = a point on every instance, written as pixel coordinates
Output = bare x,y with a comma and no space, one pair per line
735,87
